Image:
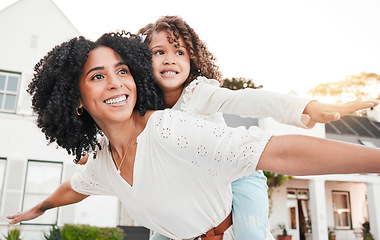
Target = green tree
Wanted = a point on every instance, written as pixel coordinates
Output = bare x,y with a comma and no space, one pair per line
239,83
364,86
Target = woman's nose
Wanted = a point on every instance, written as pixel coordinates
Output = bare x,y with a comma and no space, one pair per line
114,81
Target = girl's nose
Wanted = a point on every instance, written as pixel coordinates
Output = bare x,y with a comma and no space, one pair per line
169,60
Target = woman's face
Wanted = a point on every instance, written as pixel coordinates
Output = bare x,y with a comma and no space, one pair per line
171,65
107,88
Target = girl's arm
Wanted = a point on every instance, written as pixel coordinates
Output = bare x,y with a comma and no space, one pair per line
303,155
324,113
206,97
63,195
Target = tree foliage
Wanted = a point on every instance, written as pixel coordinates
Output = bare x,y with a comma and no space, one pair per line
363,86
239,83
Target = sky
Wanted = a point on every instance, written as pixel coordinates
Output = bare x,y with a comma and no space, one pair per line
282,45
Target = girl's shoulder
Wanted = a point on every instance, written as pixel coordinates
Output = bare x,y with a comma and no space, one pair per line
200,85
201,80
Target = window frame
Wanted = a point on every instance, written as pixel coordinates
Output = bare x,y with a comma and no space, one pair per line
347,210
299,194
25,185
2,181
7,92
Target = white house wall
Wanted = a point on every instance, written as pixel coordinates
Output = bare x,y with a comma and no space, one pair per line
356,185
357,190
29,29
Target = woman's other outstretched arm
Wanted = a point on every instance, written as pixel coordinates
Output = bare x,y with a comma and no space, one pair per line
63,195
304,155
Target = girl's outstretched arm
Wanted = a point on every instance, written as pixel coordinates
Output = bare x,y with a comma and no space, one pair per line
63,195
324,112
204,96
304,155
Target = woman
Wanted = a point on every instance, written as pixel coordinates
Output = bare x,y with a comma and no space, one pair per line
83,88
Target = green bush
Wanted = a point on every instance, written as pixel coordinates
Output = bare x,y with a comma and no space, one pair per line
55,234
85,232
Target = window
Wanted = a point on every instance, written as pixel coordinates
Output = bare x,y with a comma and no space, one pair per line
42,178
298,193
342,209
2,175
9,85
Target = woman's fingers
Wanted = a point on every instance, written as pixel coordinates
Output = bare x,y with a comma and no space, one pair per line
15,218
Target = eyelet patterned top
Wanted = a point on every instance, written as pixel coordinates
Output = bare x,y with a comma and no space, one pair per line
182,174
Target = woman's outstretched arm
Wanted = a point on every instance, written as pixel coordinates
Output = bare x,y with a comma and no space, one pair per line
304,155
63,195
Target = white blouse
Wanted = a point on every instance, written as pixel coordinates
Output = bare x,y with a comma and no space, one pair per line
183,169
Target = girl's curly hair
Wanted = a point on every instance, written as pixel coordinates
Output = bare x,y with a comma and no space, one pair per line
55,89
202,61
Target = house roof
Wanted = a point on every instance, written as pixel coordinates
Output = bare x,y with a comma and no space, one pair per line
354,125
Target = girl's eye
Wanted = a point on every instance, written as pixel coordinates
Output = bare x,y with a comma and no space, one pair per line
159,52
180,53
97,77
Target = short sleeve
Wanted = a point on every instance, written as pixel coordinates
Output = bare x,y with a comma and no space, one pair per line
223,152
89,179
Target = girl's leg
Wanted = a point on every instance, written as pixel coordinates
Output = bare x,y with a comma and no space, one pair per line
157,236
250,207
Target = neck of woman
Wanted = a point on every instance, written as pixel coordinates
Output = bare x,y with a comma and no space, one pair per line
121,134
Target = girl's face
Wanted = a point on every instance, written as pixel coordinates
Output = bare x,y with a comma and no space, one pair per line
171,65
107,88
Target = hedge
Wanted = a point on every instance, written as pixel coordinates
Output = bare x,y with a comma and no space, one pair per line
86,232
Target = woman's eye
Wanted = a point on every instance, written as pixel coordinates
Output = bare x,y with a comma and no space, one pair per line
180,53
97,77
123,71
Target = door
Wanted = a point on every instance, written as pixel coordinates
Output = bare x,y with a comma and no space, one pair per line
293,221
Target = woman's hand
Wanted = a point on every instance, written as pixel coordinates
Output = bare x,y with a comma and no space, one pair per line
62,196
25,216
325,113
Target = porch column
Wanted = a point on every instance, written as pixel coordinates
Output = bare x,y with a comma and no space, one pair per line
373,198
318,209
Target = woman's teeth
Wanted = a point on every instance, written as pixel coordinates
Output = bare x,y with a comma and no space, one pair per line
116,100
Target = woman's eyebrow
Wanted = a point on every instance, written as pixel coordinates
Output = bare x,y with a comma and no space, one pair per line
94,69
120,63
102,68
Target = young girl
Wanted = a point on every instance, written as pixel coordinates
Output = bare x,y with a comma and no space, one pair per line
187,74
170,170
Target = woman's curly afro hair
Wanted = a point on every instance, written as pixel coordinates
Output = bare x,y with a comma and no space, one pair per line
55,89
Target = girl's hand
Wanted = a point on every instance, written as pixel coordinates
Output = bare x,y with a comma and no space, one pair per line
324,113
25,216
